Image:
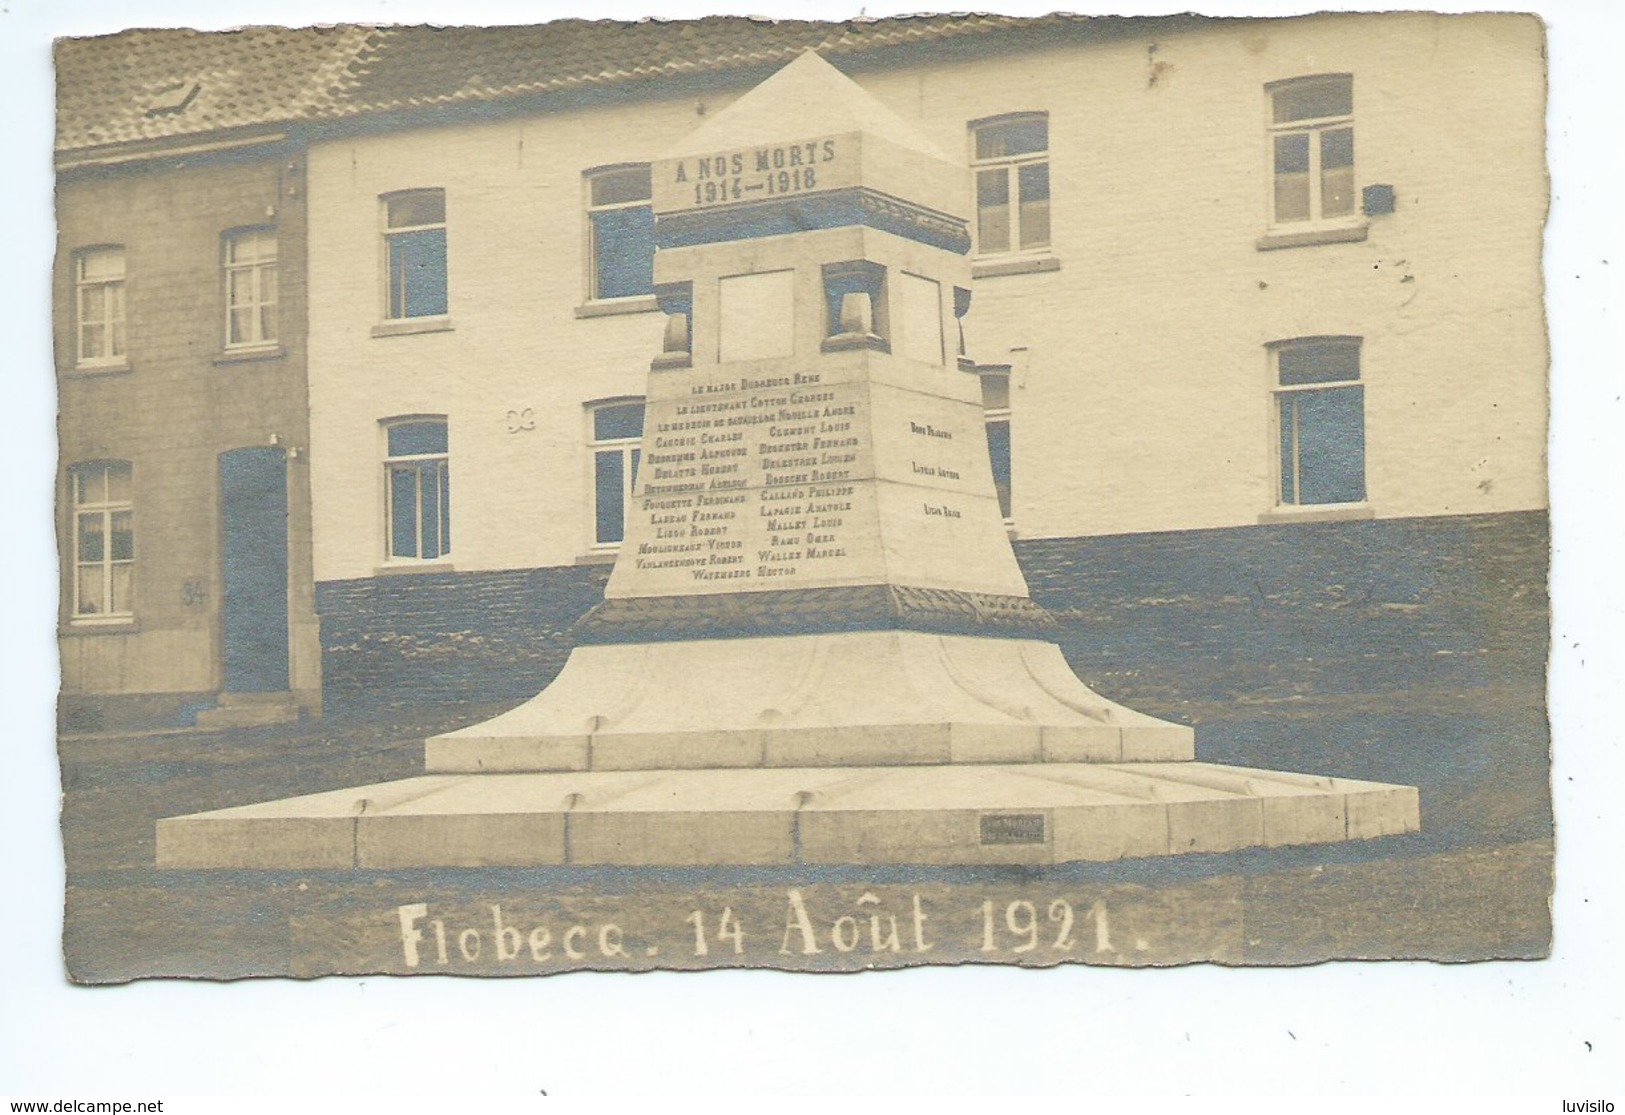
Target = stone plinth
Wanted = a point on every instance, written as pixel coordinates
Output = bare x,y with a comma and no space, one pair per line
1007,813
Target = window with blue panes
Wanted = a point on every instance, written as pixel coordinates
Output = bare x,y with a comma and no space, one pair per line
417,478
996,415
415,253
621,227
617,438
1320,405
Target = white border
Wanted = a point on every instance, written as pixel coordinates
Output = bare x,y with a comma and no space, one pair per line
1338,1028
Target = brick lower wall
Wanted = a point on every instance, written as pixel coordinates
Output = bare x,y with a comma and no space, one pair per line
1158,621
446,637
1307,609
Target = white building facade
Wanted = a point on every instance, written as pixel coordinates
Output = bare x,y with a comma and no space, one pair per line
1227,274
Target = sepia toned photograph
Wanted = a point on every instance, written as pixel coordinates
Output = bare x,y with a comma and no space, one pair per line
879,550
811,495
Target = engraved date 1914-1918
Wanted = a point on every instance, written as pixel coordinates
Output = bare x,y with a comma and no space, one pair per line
1020,927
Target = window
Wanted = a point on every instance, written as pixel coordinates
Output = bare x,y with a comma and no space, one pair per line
617,437
418,480
1312,149
621,226
103,541
1321,407
250,289
99,298
996,409
1010,159
415,250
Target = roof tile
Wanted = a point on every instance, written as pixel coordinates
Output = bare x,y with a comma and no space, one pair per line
124,88
113,88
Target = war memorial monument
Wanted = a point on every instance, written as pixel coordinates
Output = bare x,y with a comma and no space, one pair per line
816,646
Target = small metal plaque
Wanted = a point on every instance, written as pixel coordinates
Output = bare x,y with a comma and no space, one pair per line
1013,828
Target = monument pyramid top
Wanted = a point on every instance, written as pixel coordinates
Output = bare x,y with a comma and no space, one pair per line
808,147
808,95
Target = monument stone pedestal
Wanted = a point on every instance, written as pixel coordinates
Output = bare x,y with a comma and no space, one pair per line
816,646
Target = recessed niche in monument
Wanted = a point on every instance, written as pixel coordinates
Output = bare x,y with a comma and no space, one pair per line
757,316
919,302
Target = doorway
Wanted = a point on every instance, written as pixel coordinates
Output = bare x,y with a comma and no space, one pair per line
254,569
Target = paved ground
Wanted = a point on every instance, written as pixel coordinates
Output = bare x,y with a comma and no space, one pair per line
1474,884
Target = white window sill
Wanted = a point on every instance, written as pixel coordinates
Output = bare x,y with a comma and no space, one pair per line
110,368
247,355
611,307
100,625
408,567
1286,236
1317,513
408,325
991,267
599,557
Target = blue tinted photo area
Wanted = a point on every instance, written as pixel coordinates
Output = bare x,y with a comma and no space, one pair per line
1322,427
419,491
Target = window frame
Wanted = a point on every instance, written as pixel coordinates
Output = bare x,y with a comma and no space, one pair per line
115,318
1012,165
392,233
1313,127
1000,416
1280,393
416,462
105,509
590,208
630,450
256,268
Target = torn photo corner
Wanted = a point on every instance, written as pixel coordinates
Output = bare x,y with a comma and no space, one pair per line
818,496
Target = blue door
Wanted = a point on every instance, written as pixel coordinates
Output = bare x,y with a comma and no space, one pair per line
254,568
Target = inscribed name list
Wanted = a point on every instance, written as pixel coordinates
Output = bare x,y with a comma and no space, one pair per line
769,481
752,482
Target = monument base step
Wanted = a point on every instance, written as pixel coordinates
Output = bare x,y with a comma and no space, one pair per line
954,814
841,699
